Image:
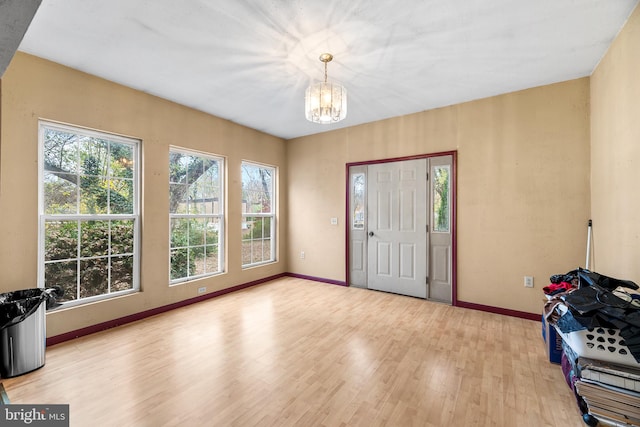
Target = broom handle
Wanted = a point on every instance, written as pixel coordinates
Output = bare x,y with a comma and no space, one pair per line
586,264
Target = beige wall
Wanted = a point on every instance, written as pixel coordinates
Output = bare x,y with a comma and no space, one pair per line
33,88
615,156
523,188
523,184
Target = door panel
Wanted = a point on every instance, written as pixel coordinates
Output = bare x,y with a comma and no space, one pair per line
440,261
383,210
407,210
357,223
383,267
397,249
440,241
357,255
407,261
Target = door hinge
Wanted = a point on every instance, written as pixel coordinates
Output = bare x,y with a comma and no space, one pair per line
427,227
427,176
426,280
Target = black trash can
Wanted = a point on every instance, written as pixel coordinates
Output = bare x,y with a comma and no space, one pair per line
23,330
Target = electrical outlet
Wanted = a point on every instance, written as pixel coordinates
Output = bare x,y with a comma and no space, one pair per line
301,254
528,281
202,290
334,221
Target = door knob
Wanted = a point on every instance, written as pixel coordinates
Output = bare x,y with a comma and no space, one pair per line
371,234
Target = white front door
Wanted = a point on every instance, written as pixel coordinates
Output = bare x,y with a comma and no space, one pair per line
397,227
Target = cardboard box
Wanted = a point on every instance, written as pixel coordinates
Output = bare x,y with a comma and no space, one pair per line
552,342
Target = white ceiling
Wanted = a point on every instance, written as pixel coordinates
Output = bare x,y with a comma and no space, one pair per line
250,61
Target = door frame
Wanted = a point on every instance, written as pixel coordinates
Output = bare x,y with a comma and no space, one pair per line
454,216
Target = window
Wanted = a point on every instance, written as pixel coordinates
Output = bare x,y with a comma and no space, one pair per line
358,200
89,220
441,198
258,214
196,215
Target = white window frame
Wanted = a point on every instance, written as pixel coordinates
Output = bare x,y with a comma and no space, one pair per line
220,216
271,215
43,217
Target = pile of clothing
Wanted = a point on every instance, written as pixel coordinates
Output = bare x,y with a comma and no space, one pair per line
606,392
583,299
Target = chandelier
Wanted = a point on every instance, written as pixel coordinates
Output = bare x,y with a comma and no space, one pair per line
325,102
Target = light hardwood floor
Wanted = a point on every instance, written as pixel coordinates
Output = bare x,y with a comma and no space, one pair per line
296,352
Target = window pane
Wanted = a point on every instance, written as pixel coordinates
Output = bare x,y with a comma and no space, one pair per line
93,156
266,227
60,193
179,232
216,206
60,240
179,263
196,260
257,201
205,206
257,251
247,248
94,277
247,224
255,227
204,192
211,259
211,179
177,168
121,196
196,231
93,195
178,198
441,199
257,188
122,233
94,238
121,273
266,250
211,231
197,204
121,160
358,201
63,274
60,151
195,168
